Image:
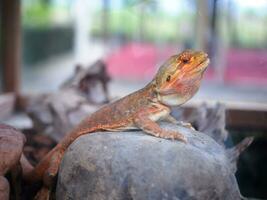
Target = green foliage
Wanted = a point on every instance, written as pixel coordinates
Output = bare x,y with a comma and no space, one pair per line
158,26
36,15
42,43
251,33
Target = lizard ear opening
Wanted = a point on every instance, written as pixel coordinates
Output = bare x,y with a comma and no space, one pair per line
168,78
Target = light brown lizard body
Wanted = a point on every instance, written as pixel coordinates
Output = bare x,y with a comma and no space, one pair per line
177,81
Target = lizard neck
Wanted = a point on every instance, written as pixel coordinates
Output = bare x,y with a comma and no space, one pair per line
151,91
186,91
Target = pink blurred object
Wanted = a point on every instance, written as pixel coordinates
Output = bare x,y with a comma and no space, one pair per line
247,66
135,61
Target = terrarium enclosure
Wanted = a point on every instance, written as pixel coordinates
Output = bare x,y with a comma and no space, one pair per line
61,61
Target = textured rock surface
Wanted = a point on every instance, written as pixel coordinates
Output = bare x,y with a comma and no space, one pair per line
4,188
133,165
11,146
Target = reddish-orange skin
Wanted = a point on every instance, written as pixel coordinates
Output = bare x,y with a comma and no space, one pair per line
140,109
109,117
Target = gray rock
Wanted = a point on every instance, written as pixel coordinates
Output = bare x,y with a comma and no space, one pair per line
134,165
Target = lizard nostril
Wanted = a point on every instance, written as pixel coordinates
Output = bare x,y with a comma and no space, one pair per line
185,60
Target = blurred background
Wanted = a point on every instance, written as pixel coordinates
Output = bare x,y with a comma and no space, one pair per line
43,40
135,36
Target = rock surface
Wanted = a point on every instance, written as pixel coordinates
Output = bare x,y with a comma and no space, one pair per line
4,188
11,146
134,165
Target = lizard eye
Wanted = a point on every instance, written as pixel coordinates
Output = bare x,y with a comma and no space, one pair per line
168,78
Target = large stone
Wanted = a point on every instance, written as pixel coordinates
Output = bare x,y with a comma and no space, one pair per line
134,165
11,146
4,188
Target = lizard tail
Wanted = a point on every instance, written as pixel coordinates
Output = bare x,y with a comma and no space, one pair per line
37,173
53,158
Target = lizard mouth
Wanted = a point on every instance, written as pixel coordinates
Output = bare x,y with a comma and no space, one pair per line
202,66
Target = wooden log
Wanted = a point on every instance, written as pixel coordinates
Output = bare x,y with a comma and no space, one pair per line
57,113
11,34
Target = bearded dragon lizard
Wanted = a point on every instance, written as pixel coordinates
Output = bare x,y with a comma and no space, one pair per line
176,81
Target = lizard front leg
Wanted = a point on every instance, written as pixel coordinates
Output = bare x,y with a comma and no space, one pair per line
142,120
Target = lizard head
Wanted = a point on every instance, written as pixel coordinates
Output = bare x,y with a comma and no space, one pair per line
178,79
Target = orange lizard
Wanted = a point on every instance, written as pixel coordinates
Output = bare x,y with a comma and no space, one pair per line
177,80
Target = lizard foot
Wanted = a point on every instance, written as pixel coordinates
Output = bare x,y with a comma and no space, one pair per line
173,136
171,119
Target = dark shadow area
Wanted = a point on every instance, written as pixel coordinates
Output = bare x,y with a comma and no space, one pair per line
252,174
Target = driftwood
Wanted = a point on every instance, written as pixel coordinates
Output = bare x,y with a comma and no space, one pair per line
56,113
89,80
211,121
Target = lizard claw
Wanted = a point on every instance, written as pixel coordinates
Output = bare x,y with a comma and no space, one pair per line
191,127
187,125
173,136
183,139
